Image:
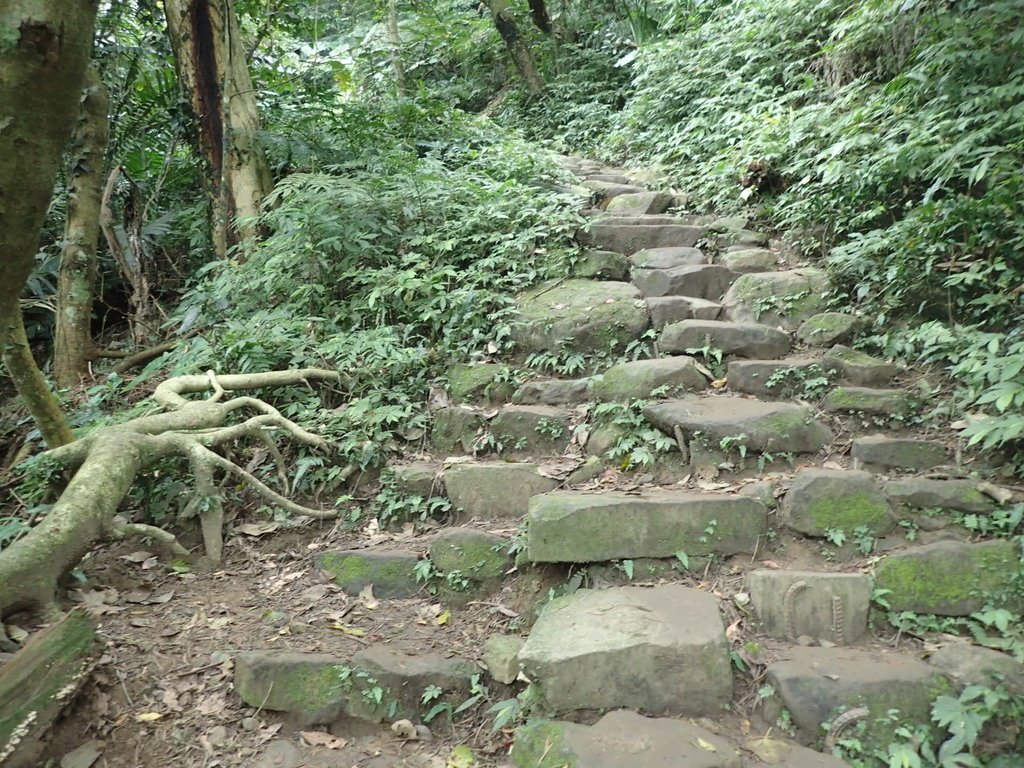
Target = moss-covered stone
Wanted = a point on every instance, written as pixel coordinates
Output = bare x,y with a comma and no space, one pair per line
948,578
477,555
418,478
501,657
482,381
905,453
531,430
638,379
858,368
311,686
777,298
601,265
392,573
924,493
828,328
876,402
541,744
824,500
752,260
455,429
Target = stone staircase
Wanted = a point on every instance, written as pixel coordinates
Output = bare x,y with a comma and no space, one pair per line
789,473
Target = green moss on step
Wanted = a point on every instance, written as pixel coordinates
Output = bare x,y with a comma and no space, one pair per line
541,744
850,511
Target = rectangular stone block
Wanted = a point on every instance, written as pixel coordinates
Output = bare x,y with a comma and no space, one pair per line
824,606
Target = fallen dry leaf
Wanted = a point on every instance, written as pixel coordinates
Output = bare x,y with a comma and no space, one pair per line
321,739
367,598
148,717
83,756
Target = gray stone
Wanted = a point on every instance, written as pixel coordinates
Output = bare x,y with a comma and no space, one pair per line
586,315
573,527
763,491
726,223
601,265
608,178
531,430
901,452
874,402
773,378
742,238
621,739
660,649
704,281
603,438
858,368
966,664
766,427
823,500
403,680
501,657
821,682
639,203
419,478
675,309
553,392
476,555
609,190
752,260
279,753
392,572
667,258
309,686
467,383
777,298
587,471
455,428
828,328
948,578
958,495
743,339
629,238
825,606
642,220
495,490
637,379
773,751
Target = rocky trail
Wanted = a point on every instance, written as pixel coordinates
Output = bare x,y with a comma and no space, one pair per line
716,605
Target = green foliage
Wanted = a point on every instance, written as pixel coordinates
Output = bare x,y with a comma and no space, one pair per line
638,443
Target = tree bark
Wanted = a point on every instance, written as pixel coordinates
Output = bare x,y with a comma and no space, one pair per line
214,74
539,12
76,284
517,48
401,82
44,49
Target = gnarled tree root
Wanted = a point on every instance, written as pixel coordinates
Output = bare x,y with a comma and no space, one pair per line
106,462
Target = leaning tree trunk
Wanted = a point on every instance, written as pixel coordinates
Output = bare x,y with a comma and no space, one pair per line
44,49
213,72
107,460
517,48
395,45
72,346
539,12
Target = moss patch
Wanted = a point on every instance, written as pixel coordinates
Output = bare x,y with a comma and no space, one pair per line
541,744
391,574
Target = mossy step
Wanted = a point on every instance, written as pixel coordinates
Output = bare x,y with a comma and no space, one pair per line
751,340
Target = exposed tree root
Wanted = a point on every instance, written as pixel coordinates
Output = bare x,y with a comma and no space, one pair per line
106,462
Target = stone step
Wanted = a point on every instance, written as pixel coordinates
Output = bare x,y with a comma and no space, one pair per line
494,490
870,401
731,338
636,220
760,426
662,650
783,299
554,392
820,501
607,178
586,316
809,604
667,258
600,265
641,203
391,572
515,430
674,309
630,238
605,191
858,368
790,377
816,685
638,379
884,452
827,328
740,239
573,527
703,281
749,260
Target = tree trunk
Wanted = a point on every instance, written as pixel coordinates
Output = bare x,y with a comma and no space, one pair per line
517,49
213,72
43,54
539,12
77,282
401,82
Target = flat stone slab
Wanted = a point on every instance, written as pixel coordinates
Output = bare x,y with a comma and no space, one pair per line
531,430
640,203
924,493
468,383
675,309
494,490
567,526
774,378
638,379
584,315
667,258
858,368
629,238
876,402
473,554
773,751
777,298
391,572
827,328
743,339
947,578
619,739
418,478
553,392
311,686
966,664
767,427
501,657
662,650
601,265
609,190
821,682
824,606
741,239
703,281
751,260
455,428
901,452
824,500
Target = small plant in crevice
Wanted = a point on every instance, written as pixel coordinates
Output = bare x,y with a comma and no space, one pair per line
805,383
391,505
638,443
